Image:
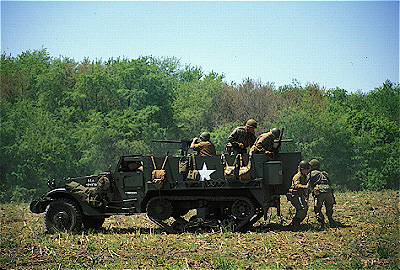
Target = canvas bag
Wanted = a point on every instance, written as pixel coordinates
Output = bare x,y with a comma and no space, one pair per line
193,173
244,171
158,176
230,171
86,194
183,165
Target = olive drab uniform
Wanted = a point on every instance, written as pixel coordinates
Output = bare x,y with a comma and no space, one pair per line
264,142
205,148
298,196
323,195
241,135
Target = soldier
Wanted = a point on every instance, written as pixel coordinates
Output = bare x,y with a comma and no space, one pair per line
265,143
204,147
243,137
322,193
298,193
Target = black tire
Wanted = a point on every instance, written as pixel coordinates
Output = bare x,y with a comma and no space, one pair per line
63,215
90,222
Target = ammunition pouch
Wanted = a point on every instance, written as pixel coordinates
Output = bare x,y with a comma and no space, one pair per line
299,192
193,173
321,189
158,176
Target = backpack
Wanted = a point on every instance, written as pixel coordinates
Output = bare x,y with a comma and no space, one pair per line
193,173
158,176
244,171
322,184
86,194
231,172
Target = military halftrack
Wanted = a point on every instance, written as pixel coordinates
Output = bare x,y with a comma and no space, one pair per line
222,190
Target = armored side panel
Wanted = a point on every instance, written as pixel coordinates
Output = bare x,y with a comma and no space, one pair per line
129,183
270,177
289,163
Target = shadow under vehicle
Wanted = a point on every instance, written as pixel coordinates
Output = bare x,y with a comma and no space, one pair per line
225,190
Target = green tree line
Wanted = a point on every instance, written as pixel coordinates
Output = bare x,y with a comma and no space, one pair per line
62,118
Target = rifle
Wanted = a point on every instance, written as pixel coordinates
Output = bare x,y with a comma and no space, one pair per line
185,144
280,139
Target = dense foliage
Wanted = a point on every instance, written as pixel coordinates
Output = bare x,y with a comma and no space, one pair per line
61,118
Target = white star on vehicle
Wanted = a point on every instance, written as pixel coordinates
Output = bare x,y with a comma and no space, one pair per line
205,173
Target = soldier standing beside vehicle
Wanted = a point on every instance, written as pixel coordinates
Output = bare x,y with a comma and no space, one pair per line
298,193
322,193
243,137
265,143
204,147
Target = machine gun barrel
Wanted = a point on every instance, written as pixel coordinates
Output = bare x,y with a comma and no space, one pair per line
169,141
284,140
185,144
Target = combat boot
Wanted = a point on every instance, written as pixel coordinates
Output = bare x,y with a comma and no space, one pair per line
321,222
332,223
295,222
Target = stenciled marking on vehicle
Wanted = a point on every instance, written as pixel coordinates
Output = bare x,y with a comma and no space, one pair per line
91,182
130,192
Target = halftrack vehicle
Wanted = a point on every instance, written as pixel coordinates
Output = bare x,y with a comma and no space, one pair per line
224,189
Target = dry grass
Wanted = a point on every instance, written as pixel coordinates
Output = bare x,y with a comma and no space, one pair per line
368,238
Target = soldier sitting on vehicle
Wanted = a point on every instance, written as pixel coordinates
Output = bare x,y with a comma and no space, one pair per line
265,143
135,166
204,147
131,166
322,193
242,137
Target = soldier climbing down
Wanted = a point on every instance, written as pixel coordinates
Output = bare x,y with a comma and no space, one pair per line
265,143
243,137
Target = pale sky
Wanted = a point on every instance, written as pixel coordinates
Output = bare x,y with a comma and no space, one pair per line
350,45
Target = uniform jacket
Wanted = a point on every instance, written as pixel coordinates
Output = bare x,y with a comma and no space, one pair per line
240,135
205,148
299,183
319,181
264,142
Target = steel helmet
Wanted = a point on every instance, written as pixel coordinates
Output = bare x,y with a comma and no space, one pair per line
276,132
251,123
314,163
205,136
304,165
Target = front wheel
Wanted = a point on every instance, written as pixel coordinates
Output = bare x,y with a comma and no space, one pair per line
63,215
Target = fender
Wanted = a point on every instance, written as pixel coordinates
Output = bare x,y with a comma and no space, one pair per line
39,206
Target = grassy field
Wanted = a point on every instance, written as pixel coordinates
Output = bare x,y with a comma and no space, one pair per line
367,238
